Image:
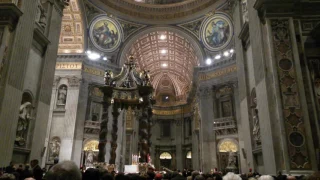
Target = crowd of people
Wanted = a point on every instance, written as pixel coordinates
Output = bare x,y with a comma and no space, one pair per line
68,170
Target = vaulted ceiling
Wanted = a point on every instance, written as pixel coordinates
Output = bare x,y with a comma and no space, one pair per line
170,58
72,33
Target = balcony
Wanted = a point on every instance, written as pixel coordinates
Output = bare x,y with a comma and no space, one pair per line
225,126
91,127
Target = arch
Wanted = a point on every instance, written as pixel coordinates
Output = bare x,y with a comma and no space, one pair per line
72,30
165,155
228,145
91,145
27,96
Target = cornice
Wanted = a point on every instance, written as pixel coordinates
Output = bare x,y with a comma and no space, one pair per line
286,8
9,15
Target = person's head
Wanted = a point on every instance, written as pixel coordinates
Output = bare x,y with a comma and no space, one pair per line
56,161
158,176
26,167
194,174
199,177
266,177
66,170
291,178
91,173
34,163
231,176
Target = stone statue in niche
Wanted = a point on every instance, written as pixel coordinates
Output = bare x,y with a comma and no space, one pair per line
226,109
256,127
54,148
255,118
41,17
62,95
23,123
244,7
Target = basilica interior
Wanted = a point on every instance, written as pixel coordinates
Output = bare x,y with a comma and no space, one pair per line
232,85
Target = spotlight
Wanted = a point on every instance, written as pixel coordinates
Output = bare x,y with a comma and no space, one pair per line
105,58
88,52
94,56
217,56
163,51
164,65
208,61
140,100
226,53
231,50
163,37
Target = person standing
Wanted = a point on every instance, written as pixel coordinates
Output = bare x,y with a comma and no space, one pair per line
36,169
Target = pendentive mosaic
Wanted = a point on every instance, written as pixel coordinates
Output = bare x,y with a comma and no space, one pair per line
292,112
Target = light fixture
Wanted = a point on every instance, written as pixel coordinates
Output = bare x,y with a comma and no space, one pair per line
164,65
94,56
163,51
167,97
226,53
163,37
231,50
105,58
217,56
88,52
140,100
208,61
112,101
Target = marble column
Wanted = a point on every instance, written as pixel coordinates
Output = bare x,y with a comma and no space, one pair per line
208,137
179,136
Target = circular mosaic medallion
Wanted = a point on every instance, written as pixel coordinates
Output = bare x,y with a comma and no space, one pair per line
285,64
217,32
296,139
105,34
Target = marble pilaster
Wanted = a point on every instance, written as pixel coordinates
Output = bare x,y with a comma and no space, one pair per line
207,137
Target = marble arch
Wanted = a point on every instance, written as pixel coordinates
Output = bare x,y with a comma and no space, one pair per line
171,71
72,38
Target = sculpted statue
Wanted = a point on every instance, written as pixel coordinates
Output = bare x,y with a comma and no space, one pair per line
256,127
108,75
89,159
62,95
231,160
41,15
23,123
55,148
244,10
145,76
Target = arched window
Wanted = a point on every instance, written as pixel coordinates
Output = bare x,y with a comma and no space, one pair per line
165,155
62,95
189,155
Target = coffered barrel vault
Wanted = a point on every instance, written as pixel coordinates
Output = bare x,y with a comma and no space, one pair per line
170,58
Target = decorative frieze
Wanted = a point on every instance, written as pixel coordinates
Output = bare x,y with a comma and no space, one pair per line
74,81
218,73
